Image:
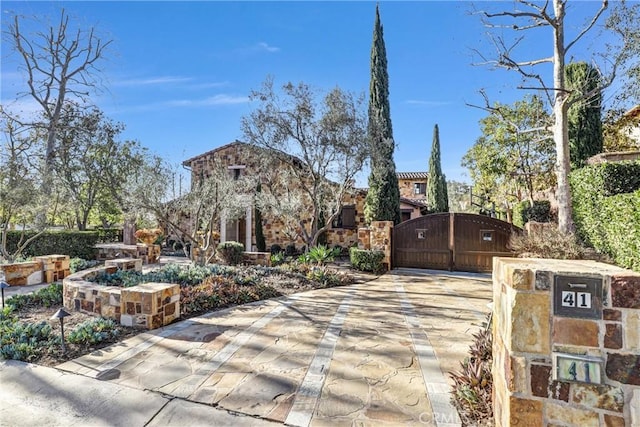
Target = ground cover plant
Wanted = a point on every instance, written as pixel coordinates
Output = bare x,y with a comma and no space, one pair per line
27,332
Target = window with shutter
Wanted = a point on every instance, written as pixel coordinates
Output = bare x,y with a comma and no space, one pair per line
348,216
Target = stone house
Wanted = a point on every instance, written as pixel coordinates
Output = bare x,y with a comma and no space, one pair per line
241,159
413,194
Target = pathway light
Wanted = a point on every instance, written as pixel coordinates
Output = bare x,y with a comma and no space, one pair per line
61,314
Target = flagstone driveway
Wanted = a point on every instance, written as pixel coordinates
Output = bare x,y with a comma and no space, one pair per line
375,353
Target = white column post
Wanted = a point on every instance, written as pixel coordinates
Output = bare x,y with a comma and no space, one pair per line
247,227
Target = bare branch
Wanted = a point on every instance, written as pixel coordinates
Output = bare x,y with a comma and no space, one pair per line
605,4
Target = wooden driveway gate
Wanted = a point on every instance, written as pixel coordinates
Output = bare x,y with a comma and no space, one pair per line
451,241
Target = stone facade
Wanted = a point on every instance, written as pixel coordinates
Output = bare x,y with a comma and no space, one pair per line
413,185
244,156
377,237
528,333
43,269
148,305
257,258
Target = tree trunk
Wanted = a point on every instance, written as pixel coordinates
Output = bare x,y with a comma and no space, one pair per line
560,127
128,232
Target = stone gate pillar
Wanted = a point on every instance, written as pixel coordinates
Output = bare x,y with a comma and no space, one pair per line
381,239
566,343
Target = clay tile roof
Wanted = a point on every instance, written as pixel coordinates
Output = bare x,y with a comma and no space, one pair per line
412,175
414,202
192,159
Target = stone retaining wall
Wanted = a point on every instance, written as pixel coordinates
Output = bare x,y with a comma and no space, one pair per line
149,254
125,264
531,336
43,269
257,258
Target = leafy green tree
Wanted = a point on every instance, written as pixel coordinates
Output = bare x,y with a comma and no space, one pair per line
585,115
514,157
459,197
437,197
87,153
383,199
617,127
313,148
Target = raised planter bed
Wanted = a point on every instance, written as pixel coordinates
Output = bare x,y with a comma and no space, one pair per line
43,269
149,254
147,306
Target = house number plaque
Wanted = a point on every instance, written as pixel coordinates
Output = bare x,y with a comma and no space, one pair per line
577,368
579,297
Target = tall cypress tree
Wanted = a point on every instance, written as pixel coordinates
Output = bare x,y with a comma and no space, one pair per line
437,196
585,116
260,241
383,199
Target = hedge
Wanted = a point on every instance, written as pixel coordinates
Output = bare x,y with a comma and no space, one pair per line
76,244
366,260
109,235
230,252
539,212
606,201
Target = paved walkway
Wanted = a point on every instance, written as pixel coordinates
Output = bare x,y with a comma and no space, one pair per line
370,354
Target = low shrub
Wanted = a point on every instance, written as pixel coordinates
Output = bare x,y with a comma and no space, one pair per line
230,252
366,260
277,258
49,296
275,248
473,383
199,298
523,212
327,277
322,254
79,264
122,278
94,331
549,242
290,250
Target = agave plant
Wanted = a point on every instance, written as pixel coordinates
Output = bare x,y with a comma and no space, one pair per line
471,394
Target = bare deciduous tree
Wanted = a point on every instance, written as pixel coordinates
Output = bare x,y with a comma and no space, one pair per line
61,63
530,16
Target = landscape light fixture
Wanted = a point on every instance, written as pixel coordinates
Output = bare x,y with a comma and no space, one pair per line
3,285
61,314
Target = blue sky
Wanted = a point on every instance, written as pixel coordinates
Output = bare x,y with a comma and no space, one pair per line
178,74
